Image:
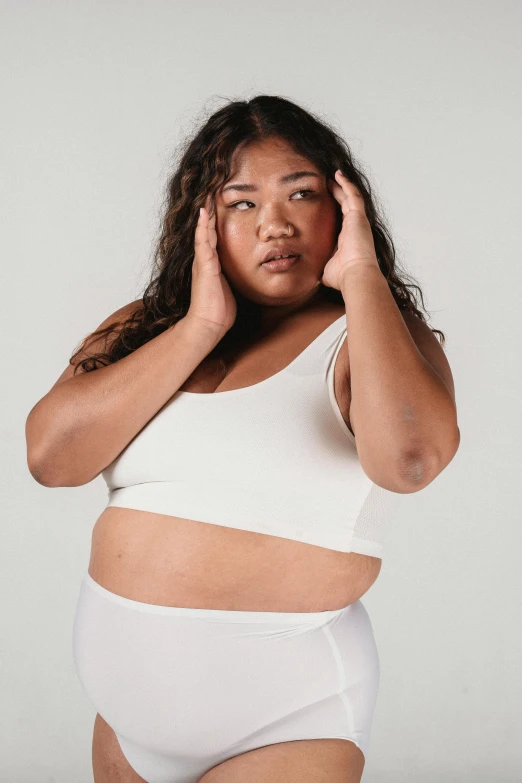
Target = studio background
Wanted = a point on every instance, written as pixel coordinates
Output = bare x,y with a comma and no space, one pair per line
96,96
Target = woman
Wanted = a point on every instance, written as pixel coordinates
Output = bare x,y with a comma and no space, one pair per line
249,431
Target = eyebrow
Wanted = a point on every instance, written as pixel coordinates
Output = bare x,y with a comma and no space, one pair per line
247,188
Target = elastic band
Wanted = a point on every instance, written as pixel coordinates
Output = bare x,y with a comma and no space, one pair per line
223,615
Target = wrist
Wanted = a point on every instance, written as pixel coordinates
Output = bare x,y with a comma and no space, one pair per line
200,330
360,270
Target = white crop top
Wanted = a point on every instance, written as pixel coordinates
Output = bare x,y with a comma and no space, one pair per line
275,457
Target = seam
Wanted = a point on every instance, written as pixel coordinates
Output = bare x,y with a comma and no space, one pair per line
342,680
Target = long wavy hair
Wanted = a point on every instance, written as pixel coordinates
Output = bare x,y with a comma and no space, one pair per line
203,166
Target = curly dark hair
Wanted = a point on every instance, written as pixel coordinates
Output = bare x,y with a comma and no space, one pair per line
204,164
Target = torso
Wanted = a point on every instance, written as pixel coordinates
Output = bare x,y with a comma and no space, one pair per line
172,561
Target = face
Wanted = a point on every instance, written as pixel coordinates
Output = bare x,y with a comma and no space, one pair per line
251,221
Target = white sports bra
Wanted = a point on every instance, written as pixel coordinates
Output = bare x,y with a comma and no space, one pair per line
275,457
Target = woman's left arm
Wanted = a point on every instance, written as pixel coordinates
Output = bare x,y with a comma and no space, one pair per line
403,410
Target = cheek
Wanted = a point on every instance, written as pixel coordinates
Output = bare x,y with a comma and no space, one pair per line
327,210
235,234
223,241
233,244
326,226
230,231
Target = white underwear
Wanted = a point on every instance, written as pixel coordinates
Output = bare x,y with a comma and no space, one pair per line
186,689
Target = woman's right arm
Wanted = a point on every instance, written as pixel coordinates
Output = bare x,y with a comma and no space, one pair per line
84,421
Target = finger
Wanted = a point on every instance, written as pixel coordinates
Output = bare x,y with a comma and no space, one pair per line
208,207
338,193
211,225
205,238
351,192
201,234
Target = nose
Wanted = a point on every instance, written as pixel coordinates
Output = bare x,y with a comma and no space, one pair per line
273,228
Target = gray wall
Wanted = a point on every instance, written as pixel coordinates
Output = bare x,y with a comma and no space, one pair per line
95,97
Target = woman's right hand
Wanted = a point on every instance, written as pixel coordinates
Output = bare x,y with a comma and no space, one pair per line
212,302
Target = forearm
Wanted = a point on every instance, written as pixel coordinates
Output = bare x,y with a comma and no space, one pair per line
400,407
82,424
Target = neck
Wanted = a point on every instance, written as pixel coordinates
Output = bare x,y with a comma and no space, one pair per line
271,316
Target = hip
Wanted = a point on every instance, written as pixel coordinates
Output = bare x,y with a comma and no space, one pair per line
178,682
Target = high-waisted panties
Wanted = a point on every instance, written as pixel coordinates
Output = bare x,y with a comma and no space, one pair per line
185,689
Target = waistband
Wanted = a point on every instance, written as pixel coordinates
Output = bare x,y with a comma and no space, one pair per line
223,615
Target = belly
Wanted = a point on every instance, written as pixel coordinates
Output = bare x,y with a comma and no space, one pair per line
171,561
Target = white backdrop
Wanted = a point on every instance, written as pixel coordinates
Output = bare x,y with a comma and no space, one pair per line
95,97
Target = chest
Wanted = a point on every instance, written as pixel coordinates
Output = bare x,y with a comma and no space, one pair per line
260,362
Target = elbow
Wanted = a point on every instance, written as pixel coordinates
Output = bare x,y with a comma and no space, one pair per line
47,478
40,474
412,465
45,471
416,469
35,458
404,474
47,461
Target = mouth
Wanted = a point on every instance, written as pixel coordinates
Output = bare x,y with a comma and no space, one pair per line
280,264
277,251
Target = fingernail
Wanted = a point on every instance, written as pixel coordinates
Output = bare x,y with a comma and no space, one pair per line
200,211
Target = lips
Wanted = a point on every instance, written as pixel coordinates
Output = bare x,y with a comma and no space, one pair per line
280,250
280,264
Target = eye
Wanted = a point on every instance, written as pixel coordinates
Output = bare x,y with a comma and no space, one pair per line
230,206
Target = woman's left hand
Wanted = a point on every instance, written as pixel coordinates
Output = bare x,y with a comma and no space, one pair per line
355,246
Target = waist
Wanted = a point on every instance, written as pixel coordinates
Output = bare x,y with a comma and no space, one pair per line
171,561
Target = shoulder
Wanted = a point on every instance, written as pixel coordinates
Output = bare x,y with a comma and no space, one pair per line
123,313
115,319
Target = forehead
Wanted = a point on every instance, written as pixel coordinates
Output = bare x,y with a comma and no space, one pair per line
273,161
268,157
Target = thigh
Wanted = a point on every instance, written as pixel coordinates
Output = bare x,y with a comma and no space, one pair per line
109,765
302,761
